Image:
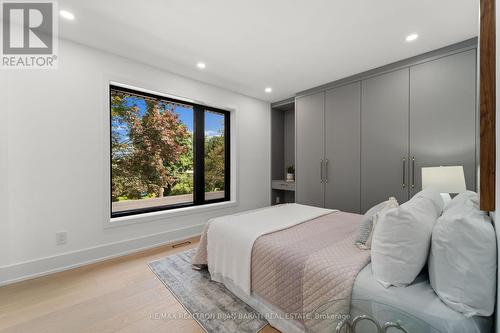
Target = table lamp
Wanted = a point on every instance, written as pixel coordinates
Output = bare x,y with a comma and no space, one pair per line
445,180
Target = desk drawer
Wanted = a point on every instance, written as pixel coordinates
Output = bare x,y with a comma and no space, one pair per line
283,185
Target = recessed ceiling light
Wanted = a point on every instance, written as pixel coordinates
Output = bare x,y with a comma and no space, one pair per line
201,65
67,15
411,38
268,90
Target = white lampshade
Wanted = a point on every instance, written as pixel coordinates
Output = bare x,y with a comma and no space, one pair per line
444,179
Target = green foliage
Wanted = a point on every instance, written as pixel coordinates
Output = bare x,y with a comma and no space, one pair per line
184,185
156,149
214,163
290,169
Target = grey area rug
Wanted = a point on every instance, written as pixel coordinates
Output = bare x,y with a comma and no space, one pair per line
214,307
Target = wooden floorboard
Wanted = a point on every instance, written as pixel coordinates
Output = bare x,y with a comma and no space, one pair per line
118,295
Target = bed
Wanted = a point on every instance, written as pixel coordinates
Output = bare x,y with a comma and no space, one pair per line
416,304
299,267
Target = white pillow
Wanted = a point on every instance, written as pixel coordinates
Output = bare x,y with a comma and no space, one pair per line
435,197
365,229
463,258
401,239
468,197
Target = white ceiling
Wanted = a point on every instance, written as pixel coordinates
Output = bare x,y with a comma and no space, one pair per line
288,45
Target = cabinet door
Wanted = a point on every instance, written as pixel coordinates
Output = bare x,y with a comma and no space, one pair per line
443,116
342,148
309,117
384,138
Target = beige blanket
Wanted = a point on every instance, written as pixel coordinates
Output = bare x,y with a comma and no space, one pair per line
306,271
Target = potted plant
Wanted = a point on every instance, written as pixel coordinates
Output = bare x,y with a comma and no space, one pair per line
290,175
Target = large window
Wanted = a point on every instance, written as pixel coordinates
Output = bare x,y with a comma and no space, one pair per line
166,153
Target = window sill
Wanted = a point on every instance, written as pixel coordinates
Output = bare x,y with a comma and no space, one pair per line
165,214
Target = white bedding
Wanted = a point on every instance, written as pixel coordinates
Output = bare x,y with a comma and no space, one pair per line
417,300
231,238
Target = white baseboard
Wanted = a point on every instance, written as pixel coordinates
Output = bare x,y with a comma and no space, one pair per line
44,266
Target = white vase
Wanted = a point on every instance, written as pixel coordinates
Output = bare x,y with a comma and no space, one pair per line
290,177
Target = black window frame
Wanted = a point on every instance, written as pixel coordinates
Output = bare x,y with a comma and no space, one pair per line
199,111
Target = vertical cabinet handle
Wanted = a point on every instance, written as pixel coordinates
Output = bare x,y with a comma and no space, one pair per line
413,172
404,172
326,171
321,171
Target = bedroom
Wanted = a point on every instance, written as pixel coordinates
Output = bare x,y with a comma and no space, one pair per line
127,126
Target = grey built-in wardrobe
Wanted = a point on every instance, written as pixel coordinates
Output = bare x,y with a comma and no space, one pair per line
364,140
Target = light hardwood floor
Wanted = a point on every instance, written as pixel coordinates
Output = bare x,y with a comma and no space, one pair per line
118,295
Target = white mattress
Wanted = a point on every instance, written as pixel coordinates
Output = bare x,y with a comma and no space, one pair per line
417,307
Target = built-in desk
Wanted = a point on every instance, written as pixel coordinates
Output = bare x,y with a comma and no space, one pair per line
283,185
283,191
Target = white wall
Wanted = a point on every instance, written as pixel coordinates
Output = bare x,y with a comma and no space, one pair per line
52,147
